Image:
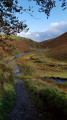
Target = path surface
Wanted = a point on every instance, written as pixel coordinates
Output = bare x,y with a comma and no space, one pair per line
23,109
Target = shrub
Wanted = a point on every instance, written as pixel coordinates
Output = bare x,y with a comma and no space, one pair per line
27,70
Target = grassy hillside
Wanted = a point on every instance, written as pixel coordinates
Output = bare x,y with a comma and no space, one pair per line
7,46
58,47
13,45
24,44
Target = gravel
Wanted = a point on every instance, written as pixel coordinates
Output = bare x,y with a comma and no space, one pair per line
23,108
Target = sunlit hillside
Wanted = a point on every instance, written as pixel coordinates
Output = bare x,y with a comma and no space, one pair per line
13,45
58,47
24,44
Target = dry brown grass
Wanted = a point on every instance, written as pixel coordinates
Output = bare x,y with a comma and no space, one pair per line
58,47
6,45
43,67
24,44
15,44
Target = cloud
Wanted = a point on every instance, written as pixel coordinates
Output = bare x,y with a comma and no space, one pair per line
61,27
54,30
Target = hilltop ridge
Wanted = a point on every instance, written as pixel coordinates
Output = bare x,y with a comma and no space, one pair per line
56,42
58,47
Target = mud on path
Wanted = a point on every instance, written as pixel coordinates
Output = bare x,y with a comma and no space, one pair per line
23,109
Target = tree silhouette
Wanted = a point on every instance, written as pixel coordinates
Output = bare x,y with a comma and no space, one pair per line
47,5
10,24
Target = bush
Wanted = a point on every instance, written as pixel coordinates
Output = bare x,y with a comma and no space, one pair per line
27,70
5,77
54,101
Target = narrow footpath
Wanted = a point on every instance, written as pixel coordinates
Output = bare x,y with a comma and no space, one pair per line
23,109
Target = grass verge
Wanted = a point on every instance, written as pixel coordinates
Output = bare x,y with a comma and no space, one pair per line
47,97
7,90
7,97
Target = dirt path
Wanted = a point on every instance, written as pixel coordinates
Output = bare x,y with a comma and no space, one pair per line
23,109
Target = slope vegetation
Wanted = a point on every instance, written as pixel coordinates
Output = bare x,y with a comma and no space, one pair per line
24,44
58,47
15,45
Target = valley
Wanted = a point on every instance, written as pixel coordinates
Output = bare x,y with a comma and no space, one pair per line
38,64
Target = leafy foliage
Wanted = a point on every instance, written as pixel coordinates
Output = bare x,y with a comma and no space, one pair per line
9,23
47,5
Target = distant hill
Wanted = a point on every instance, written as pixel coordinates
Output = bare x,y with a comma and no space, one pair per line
14,45
24,44
58,47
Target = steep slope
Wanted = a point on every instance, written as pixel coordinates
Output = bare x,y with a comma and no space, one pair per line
14,45
58,47
24,44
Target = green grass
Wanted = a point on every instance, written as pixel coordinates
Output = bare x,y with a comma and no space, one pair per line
7,97
7,90
56,74
48,96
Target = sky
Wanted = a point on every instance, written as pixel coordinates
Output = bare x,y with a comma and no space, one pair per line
41,28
